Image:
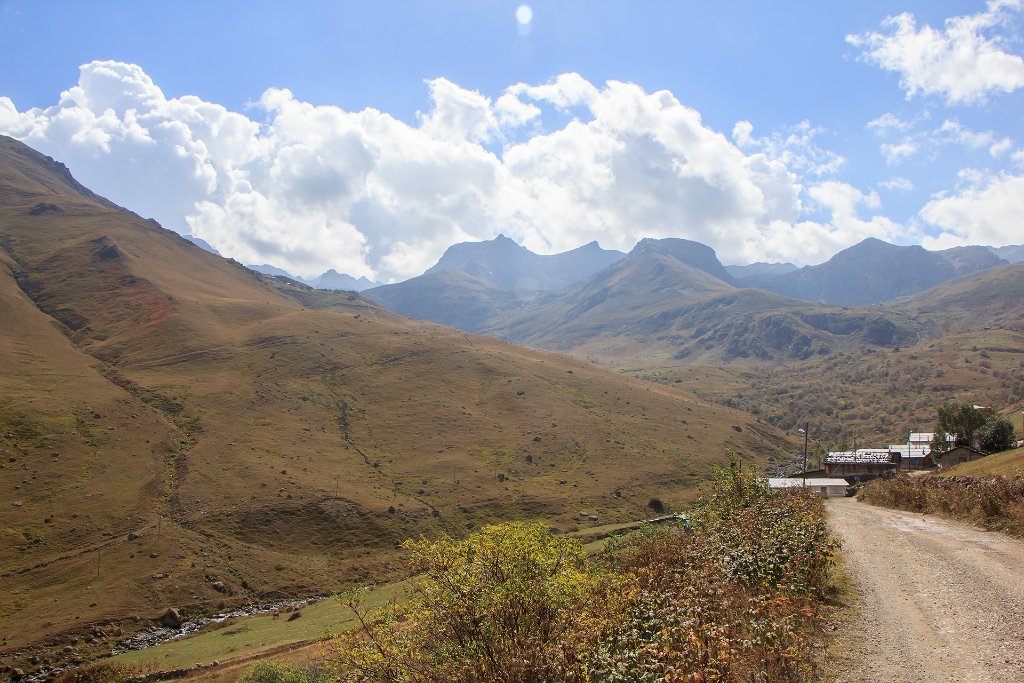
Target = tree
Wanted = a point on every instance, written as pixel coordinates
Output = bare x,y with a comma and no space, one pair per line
996,435
961,420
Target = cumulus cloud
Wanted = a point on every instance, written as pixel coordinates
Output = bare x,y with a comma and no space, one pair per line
963,62
987,209
795,147
309,187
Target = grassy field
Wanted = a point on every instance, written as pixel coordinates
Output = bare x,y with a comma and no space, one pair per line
251,635
1008,463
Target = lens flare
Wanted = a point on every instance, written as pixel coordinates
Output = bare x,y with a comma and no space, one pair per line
524,15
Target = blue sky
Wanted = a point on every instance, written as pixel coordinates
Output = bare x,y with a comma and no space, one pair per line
325,182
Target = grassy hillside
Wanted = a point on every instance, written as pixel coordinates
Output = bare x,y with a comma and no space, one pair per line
177,430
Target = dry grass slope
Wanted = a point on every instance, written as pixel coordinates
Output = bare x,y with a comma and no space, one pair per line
176,430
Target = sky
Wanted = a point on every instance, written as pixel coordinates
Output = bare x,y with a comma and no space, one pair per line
368,137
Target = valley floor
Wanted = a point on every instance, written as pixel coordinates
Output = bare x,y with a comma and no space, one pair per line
939,600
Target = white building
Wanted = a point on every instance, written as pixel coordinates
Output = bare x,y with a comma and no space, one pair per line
825,486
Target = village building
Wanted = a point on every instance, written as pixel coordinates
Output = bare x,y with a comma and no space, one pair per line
957,455
825,486
859,465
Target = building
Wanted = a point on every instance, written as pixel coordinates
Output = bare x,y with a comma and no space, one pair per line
956,455
864,463
826,486
917,450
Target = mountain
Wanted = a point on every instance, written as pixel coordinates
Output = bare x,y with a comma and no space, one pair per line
332,279
268,269
650,280
449,297
1014,253
670,300
176,429
478,284
201,243
754,273
505,265
967,260
873,272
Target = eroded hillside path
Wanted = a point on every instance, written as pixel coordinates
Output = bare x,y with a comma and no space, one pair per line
939,600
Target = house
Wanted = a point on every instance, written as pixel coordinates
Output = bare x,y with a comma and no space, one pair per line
956,455
918,448
825,486
864,463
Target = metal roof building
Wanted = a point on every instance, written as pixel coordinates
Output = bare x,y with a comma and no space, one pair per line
826,486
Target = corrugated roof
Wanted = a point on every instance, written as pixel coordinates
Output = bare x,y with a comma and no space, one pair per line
797,482
860,456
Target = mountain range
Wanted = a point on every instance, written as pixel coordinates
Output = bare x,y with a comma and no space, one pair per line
932,326
330,279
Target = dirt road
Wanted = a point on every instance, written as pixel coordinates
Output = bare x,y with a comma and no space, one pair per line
939,600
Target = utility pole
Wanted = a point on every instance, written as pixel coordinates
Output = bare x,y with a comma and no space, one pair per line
97,563
807,428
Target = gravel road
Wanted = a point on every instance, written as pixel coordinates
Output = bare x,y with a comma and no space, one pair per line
939,600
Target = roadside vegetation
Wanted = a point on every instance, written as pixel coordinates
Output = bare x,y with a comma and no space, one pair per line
732,592
995,502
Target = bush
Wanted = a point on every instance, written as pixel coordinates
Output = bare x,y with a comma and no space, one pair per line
656,505
507,604
272,672
104,672
732,594
993,502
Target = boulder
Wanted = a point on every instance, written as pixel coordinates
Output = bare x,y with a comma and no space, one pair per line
171,618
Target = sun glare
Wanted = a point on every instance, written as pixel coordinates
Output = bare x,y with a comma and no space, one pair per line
524,15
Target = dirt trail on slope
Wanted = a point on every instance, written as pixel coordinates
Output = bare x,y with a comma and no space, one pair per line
939,600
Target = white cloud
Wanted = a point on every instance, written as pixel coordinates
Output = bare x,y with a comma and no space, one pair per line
888,123
1001,147
795,147
963,62
949,132
818,240
897,183
897,153
986,210
308,187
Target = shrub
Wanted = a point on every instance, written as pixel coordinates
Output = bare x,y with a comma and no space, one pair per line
103,672
507,604
272,672
994,502
730,594
656,505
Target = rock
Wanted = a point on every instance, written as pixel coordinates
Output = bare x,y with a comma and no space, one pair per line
219,587
157,577
171,618
295,615
132,536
